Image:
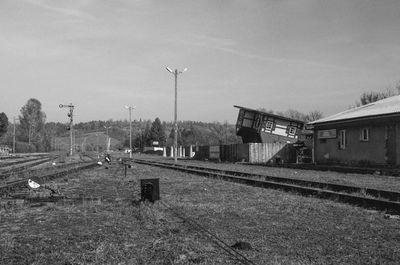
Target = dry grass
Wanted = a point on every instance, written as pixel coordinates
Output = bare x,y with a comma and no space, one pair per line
289,229
281,228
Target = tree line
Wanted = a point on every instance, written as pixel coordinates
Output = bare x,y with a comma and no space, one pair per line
34,134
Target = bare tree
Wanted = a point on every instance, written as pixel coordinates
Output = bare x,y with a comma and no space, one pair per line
314,115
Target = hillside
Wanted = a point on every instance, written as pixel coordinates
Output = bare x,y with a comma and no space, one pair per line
87,142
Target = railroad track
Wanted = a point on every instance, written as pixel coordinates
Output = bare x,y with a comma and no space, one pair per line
22,167
12,163
382,200
22,183
28,171
10,157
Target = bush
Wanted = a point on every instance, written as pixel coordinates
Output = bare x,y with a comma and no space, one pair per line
23,147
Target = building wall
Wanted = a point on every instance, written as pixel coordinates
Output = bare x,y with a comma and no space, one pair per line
397,147
273,138
257,153
357,152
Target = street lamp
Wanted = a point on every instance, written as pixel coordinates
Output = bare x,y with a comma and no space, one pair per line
130,128
176,73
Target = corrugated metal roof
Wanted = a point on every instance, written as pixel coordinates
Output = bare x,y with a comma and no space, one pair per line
385,106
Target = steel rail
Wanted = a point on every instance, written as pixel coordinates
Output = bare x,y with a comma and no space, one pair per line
10,157
8,164
389,195
39,170
22,183
391,207
23,167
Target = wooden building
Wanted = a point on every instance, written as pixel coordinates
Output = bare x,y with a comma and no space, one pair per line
262,127
365,135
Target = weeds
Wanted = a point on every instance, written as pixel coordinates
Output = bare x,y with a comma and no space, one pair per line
119,229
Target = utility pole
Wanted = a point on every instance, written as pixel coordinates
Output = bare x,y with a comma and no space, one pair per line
176,73
108,137
130,129
71,123
14,135
97,143
226,132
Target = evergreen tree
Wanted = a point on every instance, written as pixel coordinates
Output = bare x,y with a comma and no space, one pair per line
146,135
157,132
3,123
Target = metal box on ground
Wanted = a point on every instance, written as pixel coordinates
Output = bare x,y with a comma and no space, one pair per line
150,189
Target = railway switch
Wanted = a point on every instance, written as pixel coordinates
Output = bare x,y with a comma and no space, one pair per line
150,189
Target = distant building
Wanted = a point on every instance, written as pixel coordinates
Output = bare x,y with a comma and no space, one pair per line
366,135
262,127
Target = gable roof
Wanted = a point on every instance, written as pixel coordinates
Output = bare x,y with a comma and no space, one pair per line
387,106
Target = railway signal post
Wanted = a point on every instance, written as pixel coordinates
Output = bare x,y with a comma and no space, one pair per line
71,123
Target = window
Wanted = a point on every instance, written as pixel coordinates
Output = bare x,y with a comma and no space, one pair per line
291,130
364,135
248,119
257,121
269,125
342,139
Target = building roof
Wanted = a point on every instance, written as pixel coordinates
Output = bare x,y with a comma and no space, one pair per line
272,115
387,106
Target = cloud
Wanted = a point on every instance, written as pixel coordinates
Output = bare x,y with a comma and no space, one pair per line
233,47
71,11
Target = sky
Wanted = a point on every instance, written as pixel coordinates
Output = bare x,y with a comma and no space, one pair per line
101,55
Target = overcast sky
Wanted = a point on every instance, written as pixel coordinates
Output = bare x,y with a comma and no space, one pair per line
101,55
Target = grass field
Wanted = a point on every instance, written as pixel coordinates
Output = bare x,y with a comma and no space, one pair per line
281,228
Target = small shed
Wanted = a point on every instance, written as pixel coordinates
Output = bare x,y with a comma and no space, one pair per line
362,136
